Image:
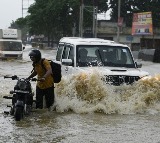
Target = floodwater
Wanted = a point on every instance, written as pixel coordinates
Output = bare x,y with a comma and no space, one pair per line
86,110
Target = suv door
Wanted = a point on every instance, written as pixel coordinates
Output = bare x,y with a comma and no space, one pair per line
68,53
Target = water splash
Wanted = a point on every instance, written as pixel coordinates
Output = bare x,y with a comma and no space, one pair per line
85,92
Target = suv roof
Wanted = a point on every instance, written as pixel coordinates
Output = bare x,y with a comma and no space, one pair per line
89,41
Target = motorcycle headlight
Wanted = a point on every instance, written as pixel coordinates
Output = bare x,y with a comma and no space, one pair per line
22,85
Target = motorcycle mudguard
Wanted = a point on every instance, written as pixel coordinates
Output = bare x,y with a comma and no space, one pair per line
19,103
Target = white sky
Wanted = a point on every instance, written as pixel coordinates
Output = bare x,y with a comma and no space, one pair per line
11,10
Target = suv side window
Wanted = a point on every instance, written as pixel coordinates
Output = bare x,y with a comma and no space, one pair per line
59,52
66,52
71,53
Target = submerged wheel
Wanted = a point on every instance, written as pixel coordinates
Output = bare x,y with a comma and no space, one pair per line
18,113
12,110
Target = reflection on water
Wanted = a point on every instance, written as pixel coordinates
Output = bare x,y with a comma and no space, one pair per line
87,110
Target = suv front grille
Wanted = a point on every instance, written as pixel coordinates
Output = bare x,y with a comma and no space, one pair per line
11,55
120,79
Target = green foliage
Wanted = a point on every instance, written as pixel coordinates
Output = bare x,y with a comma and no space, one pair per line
57,18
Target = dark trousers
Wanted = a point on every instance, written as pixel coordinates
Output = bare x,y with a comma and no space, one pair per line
49,96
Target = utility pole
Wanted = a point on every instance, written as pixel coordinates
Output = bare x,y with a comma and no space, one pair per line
94,24
81,19
25,6
22,8
119,14
95,11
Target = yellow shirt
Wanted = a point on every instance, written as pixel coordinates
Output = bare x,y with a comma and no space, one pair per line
41,72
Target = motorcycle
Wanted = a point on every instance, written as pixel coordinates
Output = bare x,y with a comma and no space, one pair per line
22,98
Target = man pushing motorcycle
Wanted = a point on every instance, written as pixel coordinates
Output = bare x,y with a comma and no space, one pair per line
45,81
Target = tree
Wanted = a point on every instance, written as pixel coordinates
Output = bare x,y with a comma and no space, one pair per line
57,18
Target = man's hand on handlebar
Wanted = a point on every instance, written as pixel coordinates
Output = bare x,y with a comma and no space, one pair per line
41,79
31,79
35,79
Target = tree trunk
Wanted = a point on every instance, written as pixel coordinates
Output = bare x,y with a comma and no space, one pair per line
48,39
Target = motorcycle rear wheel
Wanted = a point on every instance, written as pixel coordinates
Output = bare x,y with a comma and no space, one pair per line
18,113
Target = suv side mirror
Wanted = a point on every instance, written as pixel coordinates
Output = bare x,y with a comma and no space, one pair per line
138,65
67,62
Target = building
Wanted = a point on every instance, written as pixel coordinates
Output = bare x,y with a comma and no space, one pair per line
108,30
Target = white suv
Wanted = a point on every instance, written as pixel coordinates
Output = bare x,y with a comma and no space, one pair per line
113,59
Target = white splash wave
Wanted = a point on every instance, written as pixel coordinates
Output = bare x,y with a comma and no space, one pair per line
87,93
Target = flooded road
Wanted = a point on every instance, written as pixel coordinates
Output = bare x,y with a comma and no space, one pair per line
129,116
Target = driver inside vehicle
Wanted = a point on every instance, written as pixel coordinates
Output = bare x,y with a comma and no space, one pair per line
82,58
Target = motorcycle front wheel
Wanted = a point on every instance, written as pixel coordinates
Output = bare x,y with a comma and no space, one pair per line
12,110
18,113
27,109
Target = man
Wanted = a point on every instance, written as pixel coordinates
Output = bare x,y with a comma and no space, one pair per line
82,61
45,81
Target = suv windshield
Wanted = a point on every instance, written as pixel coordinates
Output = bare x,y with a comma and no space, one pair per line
104,55
10,46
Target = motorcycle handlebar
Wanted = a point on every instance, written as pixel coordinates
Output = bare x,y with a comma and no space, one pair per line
12,77
35,79
16,77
